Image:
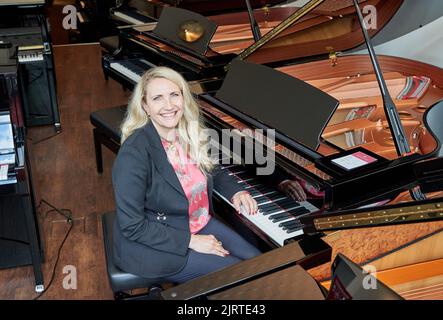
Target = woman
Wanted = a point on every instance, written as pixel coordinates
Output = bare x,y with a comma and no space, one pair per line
163,180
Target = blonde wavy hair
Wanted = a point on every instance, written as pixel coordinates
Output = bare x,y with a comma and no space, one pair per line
190,129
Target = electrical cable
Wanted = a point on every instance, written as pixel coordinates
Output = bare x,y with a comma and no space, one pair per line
69,220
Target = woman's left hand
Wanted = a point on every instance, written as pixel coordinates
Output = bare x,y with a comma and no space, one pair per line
243,198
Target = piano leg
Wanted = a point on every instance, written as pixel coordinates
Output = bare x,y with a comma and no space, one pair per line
34,245
32,226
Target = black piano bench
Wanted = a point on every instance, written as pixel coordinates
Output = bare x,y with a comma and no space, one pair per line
106,131
121,282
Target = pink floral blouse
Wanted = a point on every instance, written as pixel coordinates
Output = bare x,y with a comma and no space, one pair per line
193,182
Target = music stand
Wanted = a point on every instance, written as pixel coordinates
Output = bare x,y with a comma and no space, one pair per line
169,24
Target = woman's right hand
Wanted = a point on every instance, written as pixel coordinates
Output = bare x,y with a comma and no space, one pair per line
207,244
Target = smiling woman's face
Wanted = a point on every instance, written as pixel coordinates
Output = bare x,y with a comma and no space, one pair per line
164,103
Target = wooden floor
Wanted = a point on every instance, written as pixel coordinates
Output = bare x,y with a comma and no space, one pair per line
64,174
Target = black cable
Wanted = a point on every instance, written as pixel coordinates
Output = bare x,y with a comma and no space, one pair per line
71,224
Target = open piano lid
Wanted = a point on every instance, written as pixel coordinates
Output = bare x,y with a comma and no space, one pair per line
281,105
211,6
330,27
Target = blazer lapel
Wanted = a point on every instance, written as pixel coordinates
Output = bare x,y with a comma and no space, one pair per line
161,159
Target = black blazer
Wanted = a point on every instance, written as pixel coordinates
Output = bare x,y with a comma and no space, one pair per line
151,232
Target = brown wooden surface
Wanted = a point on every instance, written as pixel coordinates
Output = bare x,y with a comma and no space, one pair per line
421,281
65,175
369,244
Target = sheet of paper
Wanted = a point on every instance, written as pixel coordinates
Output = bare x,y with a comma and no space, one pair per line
4,171
354,160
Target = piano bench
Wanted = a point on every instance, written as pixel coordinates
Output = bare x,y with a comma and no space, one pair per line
122,283
106,131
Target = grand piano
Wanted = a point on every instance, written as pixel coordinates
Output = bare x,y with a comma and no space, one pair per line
288,34
408,257
343,95
142,11
20,240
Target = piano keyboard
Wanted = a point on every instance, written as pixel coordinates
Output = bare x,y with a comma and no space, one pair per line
132,69
132,17
30,56
277,214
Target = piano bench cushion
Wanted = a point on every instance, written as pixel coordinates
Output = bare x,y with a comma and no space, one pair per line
110,44
108,121
120,280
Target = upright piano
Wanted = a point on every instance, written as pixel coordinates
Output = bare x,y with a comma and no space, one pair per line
19,228
24,25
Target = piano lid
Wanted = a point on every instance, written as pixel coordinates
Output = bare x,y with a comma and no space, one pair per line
299,111
212,7
330,27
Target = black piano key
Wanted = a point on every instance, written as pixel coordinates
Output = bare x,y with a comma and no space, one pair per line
236,172
227,167
298,211
268,206
262,200
286,203
143,64
254,193
270,210
263,188
293,228
265,199
290,223
276,196
279,217
255,184
244,175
